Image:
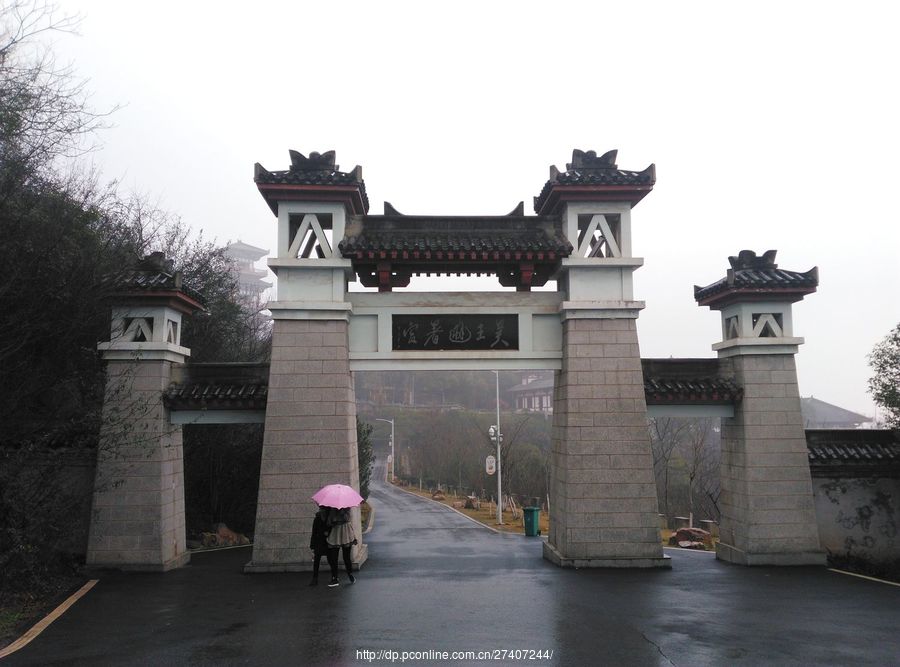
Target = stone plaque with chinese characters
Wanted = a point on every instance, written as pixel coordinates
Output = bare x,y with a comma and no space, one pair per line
455,332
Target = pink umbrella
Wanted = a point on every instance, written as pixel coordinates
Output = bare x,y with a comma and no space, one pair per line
338,496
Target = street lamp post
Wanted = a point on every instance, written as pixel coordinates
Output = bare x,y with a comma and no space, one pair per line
391,422
499,468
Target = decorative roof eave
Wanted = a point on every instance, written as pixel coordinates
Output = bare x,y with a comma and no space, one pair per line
480,260
469,233
702,391
153,280
350,195
554,195
386,274
858,452
213,396
727,297
688,382
175,299
757,278
314,178
589,178
523,252
219,386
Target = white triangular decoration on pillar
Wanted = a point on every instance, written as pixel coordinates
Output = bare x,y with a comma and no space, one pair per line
140,327
310,223
767,327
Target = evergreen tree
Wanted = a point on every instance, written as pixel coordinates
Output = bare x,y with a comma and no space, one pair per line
366,455
884,385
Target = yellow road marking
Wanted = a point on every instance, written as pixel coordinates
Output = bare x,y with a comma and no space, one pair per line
693,551
862,576
42,625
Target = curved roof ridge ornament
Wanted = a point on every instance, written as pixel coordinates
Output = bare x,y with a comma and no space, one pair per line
747,259
587,160
518,211
315,162
753,276
309,177
592,178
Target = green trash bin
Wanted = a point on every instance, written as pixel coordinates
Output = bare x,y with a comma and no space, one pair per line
532,521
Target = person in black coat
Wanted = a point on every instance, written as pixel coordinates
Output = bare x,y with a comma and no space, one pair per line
318,542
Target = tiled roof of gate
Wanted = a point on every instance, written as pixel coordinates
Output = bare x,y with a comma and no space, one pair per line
153,273
696,390
216,395
235,386
317,169
588,169
672,381
675,381
483,245
759,273
828,447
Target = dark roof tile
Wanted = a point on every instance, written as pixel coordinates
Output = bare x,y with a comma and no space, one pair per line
685,381
534,240
588,169
217,396
866,453
760,274
153,273
317,169
694,390
219,386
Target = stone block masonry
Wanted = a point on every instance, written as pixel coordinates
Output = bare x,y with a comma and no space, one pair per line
309,441
768,511
137,516
603,507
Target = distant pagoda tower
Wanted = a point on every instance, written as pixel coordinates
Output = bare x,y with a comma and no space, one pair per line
251,280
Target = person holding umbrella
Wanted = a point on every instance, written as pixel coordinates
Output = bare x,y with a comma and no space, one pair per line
338,499
318,542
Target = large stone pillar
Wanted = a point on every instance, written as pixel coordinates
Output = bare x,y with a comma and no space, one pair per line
310,431
768,509
603,504
137,518
309,441
604,509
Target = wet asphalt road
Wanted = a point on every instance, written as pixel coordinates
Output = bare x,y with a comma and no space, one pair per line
437,581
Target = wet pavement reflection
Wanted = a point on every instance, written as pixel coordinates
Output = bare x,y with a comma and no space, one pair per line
436,581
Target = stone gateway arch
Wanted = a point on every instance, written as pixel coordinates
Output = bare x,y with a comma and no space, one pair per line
604,510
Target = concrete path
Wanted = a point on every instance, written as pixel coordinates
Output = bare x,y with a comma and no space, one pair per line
436,581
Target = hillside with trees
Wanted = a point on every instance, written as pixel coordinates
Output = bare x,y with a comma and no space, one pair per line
65,234
441,428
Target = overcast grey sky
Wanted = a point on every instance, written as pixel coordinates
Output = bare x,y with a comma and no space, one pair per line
772,125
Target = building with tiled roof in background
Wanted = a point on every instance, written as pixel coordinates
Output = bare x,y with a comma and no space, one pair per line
819,414
534,393
251,280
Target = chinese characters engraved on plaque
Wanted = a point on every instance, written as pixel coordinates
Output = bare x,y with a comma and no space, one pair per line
455,332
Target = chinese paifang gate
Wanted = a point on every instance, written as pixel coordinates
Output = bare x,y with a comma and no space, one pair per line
602,494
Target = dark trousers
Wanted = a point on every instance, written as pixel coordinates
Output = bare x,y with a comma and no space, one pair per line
333,555
330,556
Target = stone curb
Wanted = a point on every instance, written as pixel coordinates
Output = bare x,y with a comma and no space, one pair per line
371,522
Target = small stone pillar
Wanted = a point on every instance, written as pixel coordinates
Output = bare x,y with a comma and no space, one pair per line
137,518
768,511
604,509
310,432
